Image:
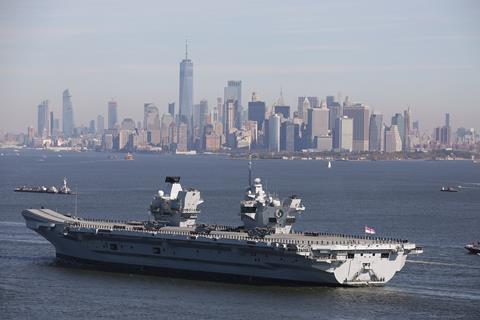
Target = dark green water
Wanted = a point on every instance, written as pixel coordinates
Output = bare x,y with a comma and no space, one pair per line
398,199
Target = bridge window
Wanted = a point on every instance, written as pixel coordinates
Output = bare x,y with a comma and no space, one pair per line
385,255
350,255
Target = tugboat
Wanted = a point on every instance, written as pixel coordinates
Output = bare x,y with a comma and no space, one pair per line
473,248
448,189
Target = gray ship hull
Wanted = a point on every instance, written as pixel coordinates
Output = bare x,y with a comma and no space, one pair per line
184,259
222,255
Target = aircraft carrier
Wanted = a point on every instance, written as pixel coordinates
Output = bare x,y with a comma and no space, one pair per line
264,249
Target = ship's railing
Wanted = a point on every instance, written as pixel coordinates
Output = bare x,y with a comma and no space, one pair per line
347,240
357,237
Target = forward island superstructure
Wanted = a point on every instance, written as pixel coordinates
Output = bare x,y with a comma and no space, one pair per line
264,248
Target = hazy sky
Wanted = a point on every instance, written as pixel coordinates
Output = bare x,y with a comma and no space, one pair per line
386,54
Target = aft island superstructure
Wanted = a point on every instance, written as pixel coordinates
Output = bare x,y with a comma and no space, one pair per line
264,248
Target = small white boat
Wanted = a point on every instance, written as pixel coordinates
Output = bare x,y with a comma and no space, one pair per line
329,165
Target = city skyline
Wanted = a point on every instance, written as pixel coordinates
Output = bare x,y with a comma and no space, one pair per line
430,63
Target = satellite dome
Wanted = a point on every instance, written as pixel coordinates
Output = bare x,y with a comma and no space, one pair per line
257,180
160,193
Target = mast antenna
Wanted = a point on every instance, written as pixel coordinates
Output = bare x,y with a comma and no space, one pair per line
76,200
186,49
250,170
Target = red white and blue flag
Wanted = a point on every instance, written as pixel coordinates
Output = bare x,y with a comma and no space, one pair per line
369,230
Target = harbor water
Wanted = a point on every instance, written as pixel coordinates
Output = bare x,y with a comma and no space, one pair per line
399,199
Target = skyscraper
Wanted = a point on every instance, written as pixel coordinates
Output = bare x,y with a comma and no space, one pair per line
343,134
182,137
151,117
230,116
336,111
233,92
407,127
52,124
399,121
274,133
171,108
317,128
256,111
303,104
283,110
100,124
393,140
68,124
361,121
376,134
43,120
186,90
112,114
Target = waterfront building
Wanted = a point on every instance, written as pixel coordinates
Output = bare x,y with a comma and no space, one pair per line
112,114
212,141
361,120
67,114
393,140
343,134
317,128
182,137
376,134
399,121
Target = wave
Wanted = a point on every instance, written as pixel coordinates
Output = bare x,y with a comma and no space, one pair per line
443,264
12,224
25,241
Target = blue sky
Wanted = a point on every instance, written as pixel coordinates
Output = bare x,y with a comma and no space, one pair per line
388,55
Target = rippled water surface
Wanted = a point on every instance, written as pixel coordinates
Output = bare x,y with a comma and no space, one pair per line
398,199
